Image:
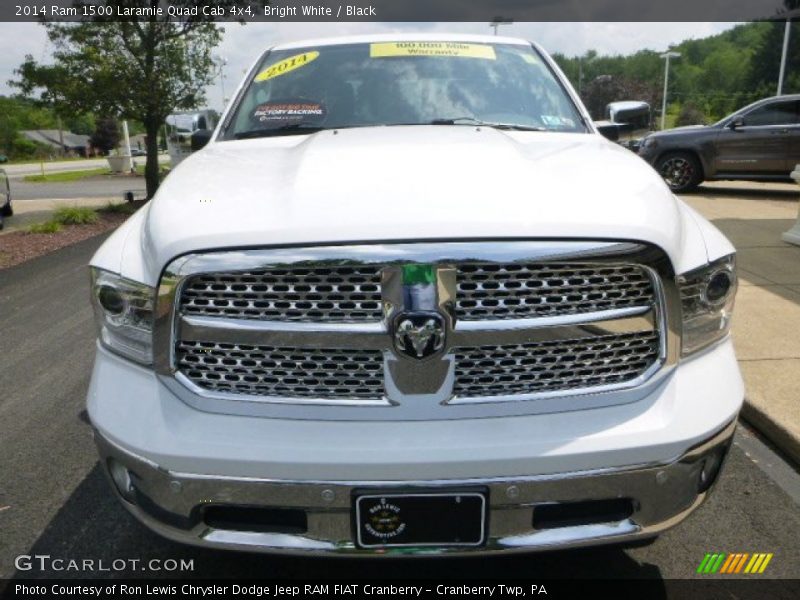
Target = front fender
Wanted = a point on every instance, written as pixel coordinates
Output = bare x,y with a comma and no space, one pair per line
123,252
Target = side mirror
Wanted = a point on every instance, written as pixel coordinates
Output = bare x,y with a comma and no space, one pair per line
608,130
200,138
736,123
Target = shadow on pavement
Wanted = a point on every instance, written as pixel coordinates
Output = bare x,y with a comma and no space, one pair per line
762,257
747,193
93,525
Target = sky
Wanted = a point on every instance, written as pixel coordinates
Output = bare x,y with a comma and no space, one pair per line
242,44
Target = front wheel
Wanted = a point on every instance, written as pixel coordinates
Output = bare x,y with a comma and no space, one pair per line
681,171
7,211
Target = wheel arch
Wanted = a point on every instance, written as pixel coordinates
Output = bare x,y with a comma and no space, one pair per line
704,167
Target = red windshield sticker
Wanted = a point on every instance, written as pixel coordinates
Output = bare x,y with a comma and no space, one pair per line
288,112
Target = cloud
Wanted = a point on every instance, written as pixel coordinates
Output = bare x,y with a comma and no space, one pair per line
17,40
241,45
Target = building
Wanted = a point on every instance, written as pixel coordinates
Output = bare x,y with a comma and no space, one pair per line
73,143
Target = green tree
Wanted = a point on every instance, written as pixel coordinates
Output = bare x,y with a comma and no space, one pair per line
140,70
17,114
689,114
83,124
106,135
716,74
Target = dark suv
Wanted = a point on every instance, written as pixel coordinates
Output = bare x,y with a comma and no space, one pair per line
760,142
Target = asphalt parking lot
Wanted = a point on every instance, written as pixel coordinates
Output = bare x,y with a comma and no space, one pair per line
54,500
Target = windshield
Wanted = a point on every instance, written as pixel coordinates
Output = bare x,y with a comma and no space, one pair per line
402,83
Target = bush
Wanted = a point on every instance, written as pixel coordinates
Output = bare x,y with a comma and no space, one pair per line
47,227
22,148
690,115
125,208
75,215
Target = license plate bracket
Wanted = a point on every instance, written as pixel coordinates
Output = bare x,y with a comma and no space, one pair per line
393,519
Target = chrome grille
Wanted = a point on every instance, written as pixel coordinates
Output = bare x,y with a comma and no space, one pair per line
285,372
350,294
251,323
554,365
517,290
313,294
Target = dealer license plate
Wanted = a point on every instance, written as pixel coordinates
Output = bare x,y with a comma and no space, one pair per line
420,519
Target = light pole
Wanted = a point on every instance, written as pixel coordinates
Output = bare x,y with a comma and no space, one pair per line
786,32
667,56
497,21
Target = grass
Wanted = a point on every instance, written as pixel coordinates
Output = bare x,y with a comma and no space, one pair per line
70,176
66,176
162,169
46,227
75,215
66,215
38,161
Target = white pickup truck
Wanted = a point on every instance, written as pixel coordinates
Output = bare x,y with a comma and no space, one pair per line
408,300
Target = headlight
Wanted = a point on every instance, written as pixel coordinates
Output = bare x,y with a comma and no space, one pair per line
707,296
648,143
123,311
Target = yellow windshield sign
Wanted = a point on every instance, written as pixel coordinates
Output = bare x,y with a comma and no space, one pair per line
287,65
385,49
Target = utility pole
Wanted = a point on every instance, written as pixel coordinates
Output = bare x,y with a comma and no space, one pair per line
667,55
788,15
127,139
61,135
786,33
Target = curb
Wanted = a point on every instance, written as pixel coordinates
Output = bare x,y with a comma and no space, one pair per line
776,433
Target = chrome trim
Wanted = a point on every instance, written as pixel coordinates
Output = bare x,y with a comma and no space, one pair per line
186,384
356,336
663,494
520,331
598,389
426,398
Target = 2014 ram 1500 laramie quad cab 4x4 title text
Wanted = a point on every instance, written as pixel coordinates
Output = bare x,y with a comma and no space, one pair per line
407,299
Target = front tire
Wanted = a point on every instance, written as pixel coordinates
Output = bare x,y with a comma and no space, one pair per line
681,171
7,211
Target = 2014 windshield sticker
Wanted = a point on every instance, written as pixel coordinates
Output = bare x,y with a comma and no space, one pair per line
288,112
287,65
386,49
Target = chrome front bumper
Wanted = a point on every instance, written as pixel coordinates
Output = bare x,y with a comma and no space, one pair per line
175,505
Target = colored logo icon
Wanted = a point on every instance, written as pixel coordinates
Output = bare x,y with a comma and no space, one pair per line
737,562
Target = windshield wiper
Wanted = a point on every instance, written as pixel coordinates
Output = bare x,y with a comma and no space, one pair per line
290,129
474,121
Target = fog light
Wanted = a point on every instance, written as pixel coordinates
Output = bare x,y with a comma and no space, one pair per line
711,467
122,479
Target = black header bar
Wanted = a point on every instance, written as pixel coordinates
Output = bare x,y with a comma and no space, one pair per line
394,10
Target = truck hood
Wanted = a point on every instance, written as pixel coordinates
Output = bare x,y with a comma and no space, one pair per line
407,183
